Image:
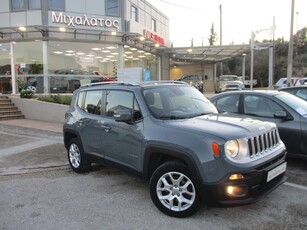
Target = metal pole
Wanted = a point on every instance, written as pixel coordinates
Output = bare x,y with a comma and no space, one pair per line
290,49
243,67
221,37
252,61
13,73
271,67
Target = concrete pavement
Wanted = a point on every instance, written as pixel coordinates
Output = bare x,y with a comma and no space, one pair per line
33,127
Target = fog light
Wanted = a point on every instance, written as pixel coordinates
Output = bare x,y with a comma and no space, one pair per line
236,177
236,190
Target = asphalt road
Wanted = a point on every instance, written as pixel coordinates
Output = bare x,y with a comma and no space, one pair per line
39,191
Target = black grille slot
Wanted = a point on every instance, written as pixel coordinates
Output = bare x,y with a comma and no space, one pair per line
263,142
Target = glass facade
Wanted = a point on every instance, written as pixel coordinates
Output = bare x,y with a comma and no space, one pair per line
69,64
34,4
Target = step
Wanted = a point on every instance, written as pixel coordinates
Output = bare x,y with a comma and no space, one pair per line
14,112
11,117
8,108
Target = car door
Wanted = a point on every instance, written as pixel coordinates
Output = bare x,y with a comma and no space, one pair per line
264,108
91,124
123,140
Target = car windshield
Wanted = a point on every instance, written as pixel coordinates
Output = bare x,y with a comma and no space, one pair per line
229,78
296,103
177,102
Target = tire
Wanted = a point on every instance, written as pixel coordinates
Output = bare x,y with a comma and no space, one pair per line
77,158
173,190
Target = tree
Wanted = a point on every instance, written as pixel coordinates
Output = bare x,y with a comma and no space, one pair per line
213,36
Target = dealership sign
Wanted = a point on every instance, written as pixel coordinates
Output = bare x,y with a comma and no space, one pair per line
154,37
83,20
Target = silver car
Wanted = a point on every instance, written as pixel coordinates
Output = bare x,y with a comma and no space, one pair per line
228,83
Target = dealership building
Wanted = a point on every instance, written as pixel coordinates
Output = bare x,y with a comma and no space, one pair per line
51,45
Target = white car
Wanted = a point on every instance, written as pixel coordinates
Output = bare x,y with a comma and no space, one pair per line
228,83
282,82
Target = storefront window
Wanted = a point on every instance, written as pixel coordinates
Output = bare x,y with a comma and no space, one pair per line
34,4
112,8
18,5
5,69
29,66
56,4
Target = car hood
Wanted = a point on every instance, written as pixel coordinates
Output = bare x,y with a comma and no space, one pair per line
221,126
230,82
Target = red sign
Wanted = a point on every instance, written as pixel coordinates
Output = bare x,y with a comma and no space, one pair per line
154,37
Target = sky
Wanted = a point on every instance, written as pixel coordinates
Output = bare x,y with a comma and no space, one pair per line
193,19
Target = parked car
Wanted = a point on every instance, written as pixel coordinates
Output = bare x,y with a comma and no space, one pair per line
194,80
300,91
287,111
170,134
282,82
228,83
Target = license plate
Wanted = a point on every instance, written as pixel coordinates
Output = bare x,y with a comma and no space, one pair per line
276,171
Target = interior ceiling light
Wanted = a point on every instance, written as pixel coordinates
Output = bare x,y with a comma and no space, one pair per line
110,56
142,38
157,45
22,28
125,46
57,52
69,54
80,53
111,47
113,33
128,52
69,51
189,50
62,29
96,49
140,51
147,53
114,53
133,48
106,51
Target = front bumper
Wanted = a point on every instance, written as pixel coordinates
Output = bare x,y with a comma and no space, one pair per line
254,182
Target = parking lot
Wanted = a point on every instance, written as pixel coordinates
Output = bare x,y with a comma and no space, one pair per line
40,191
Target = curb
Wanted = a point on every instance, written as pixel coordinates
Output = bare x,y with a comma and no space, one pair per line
31,131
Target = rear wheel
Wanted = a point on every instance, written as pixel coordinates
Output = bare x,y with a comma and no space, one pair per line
173,190
76,157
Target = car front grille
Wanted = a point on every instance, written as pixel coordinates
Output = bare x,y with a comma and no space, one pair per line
232,86
263,143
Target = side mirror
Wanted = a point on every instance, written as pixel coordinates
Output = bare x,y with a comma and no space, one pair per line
280,114
122,115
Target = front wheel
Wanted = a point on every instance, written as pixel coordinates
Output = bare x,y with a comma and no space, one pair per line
173,190
76,157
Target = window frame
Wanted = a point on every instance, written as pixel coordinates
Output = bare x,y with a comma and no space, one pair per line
26,6
134,14
154,24
56,9
18,9
107,12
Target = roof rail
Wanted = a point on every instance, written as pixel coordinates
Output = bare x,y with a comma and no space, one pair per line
110,83
133,83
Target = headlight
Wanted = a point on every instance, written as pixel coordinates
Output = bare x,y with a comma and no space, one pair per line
232,148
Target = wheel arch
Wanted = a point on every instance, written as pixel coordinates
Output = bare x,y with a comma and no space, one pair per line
155,156
68,136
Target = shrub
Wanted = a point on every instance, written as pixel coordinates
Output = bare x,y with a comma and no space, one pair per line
26,93
59,99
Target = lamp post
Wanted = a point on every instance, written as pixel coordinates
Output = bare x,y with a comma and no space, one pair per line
290,49
243,67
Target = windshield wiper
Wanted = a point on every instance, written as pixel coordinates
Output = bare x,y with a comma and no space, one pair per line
172,117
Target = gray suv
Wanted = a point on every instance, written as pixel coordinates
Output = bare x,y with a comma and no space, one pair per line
171,135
